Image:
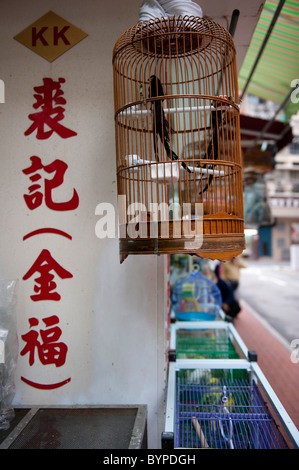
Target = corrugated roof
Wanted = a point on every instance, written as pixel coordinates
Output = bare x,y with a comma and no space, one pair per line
278,65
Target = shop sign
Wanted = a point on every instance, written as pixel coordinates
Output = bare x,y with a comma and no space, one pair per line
50,36
43,343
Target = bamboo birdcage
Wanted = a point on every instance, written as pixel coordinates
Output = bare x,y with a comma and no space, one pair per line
180,191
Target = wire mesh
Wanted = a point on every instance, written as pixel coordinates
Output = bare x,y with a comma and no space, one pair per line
208,344
223,413
178,139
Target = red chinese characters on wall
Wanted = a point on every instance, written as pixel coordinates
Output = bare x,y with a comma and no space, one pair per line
36,195
49,98
43,340
45,286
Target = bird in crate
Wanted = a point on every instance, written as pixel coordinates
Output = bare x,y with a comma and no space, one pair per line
219,403
160,124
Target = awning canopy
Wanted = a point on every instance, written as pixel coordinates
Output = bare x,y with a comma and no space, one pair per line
275,47
277,133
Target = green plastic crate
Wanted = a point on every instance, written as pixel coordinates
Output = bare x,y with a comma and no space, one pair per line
197,344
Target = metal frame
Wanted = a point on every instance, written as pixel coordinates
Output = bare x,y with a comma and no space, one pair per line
256,375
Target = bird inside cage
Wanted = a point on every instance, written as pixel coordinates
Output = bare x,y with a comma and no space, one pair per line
161,125
163,130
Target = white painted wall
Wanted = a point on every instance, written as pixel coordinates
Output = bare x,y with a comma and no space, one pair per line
111,315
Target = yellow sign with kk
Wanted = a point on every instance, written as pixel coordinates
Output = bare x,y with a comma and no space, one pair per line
50,36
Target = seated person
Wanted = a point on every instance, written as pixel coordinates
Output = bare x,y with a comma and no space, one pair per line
230,305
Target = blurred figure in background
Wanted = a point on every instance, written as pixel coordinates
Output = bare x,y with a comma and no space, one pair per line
230,305
230,271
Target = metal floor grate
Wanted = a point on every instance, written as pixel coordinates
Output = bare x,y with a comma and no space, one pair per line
224,414
89,427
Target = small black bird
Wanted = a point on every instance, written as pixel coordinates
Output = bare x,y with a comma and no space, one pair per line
160,123
216,119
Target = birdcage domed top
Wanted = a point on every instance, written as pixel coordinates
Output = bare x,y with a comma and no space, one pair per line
173,36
